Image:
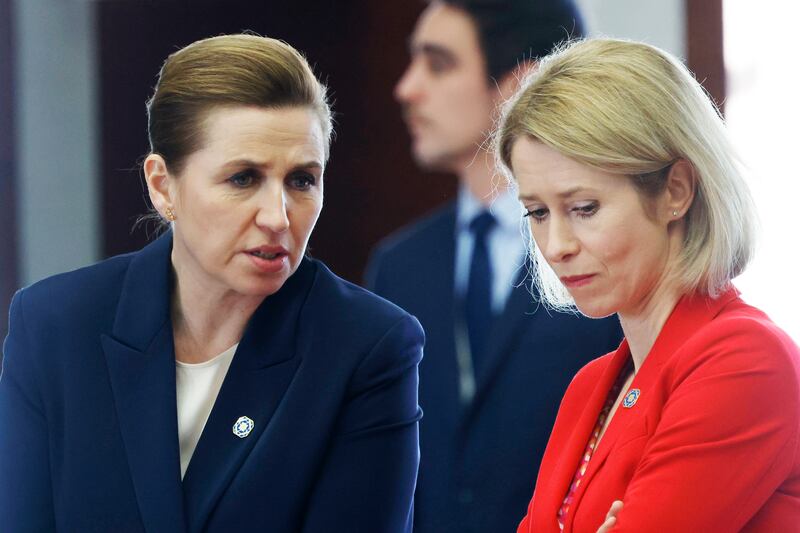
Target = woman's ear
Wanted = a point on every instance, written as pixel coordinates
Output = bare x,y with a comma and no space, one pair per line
158,182
680,190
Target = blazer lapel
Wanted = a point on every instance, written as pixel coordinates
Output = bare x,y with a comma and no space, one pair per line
141,364
260,373
570,456
449,347
504,331
443,381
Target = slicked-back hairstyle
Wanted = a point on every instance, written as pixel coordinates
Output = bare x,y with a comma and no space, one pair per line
228,70
512,31
632,109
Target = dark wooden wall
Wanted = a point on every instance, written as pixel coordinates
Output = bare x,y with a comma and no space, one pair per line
8,240
704,47
359,47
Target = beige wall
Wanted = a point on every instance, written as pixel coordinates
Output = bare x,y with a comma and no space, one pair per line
57,196
657,22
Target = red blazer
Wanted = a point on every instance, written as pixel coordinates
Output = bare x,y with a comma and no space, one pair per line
711,444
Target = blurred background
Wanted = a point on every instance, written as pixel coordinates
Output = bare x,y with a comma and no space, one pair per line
74,76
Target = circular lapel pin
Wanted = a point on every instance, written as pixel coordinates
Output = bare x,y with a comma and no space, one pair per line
243,427
630,398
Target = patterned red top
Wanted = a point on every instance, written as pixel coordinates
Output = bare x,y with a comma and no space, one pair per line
590,447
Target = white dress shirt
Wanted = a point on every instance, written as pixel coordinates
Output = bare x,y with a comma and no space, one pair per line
197,390
505,243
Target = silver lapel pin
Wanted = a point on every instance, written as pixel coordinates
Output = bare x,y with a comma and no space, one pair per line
630,398
243,426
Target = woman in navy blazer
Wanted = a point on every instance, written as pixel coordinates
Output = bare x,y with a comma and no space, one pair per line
314,418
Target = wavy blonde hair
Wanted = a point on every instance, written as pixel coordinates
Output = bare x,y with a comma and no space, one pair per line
630,108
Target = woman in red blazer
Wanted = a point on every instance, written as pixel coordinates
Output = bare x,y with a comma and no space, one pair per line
637,207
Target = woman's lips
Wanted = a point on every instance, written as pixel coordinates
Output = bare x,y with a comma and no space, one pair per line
268,259
572,282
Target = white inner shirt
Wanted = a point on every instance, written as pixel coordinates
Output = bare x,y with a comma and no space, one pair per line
198,385
505,242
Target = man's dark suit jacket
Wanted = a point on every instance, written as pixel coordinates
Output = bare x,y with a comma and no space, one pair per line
479,462
88,426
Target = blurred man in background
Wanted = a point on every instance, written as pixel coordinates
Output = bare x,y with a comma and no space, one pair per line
496,364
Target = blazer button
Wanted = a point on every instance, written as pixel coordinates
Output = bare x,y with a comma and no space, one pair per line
465,496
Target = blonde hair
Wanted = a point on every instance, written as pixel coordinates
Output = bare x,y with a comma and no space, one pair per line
630,108
239,69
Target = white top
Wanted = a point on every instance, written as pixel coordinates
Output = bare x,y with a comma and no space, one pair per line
505,242
197,389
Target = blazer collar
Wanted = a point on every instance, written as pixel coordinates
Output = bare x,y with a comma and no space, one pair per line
691,313
145,296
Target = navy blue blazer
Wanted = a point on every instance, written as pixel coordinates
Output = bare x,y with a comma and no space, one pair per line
479,461
88,424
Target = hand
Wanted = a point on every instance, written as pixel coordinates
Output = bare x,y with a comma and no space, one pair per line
611,517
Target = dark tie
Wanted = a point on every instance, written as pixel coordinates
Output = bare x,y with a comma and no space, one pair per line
478,301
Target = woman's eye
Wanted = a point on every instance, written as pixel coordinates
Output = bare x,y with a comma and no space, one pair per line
585,210
242,180
537,215
302,182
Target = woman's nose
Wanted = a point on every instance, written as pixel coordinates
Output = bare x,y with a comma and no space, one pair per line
561,242
272,212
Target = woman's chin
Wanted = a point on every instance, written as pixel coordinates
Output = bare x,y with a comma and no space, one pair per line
594,309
